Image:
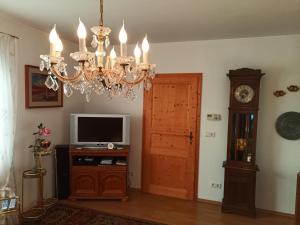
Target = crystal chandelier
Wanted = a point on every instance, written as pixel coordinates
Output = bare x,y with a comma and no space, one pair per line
97,71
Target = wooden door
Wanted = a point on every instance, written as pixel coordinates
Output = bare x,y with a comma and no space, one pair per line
171,135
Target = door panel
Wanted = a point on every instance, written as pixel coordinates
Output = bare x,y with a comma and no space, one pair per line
170,135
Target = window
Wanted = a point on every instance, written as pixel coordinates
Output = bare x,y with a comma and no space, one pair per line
7,106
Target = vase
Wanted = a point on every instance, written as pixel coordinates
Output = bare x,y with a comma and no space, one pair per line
38,161
45,143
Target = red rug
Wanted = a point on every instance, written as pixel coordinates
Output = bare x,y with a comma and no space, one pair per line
62,214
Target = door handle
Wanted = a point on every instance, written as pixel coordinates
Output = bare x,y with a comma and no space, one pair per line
190,136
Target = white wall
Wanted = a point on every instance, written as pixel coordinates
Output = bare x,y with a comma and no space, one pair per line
278,159
32,43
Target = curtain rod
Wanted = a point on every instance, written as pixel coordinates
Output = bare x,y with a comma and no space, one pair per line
9,35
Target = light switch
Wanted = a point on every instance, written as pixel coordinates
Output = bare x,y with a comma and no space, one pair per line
214,117
210,134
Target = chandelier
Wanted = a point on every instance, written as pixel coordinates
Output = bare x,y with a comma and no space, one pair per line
98,71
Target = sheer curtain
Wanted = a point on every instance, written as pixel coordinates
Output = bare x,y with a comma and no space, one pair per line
7,107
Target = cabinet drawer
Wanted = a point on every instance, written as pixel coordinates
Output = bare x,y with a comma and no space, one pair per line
113,183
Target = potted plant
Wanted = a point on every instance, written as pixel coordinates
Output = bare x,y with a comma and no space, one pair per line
41,146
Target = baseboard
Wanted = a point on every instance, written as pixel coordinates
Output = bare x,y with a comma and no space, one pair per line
271,212
209,201
276,213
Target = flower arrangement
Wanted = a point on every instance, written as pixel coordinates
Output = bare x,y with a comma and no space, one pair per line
42,142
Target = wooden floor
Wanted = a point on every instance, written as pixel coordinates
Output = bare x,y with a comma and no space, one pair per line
177,212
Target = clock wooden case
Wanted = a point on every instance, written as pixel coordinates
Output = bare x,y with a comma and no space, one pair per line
240,166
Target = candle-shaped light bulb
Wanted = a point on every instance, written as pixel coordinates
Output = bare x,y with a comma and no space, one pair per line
123,35
113,54
113,57
145,47
81,33
123,40
137,54
53,36
58,47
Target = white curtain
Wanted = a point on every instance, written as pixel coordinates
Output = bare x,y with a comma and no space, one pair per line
7,107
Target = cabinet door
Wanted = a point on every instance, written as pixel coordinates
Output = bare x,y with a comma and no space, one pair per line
113,183
240,190
84,182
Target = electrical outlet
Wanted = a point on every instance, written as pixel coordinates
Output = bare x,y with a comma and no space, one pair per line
216,186
210,134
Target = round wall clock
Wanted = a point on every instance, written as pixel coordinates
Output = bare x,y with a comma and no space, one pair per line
244,93
288,125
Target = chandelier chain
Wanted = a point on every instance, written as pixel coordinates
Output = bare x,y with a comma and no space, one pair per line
101,13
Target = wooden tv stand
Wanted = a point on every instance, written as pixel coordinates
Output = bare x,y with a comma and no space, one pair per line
90,180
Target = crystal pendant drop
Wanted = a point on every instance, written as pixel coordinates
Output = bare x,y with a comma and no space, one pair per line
42,66
107,42
148,84
48,65
100,89
68,90
88,93
49,82
131,94
55,86
88,98
94,42
81,88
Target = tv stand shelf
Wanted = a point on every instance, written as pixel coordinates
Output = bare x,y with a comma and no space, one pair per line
92,180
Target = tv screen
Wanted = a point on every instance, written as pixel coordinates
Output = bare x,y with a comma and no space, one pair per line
100,129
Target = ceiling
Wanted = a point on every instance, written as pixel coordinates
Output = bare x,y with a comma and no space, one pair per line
163,20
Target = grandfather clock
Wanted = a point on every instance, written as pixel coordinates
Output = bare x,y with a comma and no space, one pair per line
240,166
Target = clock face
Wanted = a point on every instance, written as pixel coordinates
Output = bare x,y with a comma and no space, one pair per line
244,93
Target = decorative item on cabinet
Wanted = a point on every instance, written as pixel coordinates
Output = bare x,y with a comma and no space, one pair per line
293,88
240,167
279,93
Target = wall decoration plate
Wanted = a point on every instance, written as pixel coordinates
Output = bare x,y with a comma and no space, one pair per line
288,125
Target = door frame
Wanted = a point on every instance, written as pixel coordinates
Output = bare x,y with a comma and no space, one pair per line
199,77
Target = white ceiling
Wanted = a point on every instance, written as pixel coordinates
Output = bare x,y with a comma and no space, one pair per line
163,20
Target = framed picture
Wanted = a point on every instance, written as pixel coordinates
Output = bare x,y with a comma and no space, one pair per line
37,95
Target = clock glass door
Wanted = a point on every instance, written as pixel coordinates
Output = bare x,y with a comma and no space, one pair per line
242,137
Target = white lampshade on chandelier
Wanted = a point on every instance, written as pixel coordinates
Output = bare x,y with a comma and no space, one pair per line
99,71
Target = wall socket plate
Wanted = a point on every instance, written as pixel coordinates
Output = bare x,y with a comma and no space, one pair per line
214,117
210,134
216,186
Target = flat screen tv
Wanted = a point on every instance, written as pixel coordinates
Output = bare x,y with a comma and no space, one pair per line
99,129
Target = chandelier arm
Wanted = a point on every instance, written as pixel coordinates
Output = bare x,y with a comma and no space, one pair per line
134,82
62,78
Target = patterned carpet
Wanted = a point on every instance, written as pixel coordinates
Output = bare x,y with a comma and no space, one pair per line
62,214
